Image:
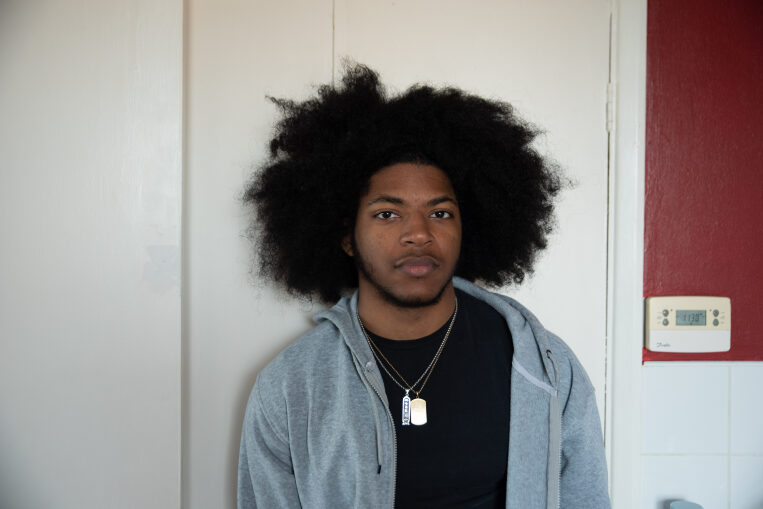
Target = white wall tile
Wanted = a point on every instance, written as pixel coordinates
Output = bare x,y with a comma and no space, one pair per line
699,479
685,408
746,482
747,409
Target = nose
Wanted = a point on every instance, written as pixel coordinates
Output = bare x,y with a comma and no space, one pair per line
416,231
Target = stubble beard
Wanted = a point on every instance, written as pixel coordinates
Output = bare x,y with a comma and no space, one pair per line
387,293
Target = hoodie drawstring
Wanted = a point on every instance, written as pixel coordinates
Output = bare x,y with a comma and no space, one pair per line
371,394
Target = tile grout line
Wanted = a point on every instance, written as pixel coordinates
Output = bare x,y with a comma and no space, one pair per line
687,454
708,454
728,442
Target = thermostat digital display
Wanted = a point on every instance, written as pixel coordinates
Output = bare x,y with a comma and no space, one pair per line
688,324
691,317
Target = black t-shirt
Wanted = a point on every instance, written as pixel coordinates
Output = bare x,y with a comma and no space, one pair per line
458,458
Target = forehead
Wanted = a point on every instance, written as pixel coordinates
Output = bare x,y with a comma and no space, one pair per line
410,180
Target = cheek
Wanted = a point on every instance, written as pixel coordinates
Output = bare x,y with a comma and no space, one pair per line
452,235
372,234
379,243
370,240
454,243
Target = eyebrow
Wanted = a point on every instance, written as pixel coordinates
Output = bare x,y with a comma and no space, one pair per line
385,198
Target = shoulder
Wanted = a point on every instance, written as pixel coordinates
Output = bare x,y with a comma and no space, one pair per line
537,350
477,308
295,370
570,369
312,353
311,366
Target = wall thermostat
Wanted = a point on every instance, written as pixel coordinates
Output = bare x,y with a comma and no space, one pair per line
688,324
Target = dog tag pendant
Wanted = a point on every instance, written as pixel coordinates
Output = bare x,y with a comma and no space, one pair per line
406,409
418,412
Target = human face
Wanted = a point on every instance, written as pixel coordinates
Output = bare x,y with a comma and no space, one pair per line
407,236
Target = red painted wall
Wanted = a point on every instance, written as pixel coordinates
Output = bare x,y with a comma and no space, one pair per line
704,161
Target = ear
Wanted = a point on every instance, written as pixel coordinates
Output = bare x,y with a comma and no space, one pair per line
347,245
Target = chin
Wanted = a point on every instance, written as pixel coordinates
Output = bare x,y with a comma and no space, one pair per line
413,302
414,299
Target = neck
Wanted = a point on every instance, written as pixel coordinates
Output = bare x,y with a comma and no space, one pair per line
392,321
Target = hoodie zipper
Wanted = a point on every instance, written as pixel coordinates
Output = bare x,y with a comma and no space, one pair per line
394,444
559,458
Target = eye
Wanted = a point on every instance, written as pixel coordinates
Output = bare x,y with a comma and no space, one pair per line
442,214
386,214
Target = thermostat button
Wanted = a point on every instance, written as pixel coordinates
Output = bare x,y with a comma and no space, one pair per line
665,313
666,322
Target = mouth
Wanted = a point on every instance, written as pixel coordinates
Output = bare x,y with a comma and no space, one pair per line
417,266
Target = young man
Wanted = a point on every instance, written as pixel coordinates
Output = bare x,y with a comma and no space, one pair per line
417,388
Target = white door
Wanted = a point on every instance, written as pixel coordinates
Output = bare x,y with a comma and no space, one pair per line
90,207
549,59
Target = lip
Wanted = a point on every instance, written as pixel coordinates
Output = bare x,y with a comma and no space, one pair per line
417,266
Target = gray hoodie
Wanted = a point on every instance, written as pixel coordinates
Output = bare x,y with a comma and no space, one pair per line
318,432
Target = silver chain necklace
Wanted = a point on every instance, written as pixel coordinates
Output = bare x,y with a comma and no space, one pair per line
415,411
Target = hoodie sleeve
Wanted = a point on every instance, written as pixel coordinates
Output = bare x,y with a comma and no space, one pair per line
265,474
584,466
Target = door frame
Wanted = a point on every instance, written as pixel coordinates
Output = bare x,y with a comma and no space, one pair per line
626,251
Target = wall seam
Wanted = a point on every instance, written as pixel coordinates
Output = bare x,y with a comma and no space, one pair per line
607,410
333,42
185,415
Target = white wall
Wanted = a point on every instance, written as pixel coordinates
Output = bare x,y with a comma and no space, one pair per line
90,196
237,53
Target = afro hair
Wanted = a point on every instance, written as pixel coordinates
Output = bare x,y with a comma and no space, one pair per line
324,150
